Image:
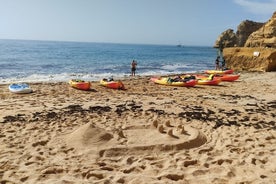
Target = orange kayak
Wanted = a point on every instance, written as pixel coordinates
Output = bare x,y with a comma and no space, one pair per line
79,84
112,84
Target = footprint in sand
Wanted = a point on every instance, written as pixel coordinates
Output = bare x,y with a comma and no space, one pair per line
137,140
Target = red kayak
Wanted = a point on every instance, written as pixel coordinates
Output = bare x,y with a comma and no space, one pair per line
228,77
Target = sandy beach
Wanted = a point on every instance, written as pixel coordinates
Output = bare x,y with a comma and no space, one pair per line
146,134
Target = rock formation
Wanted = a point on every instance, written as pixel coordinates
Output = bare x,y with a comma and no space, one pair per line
245,29
250,59
252,47
230,39
265,36
227,39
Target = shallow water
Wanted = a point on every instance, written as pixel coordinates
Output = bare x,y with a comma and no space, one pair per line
50,61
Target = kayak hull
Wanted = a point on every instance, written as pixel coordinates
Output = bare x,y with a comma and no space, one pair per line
228,77
207,81
164,81
222,77
230,71
112,84
80,84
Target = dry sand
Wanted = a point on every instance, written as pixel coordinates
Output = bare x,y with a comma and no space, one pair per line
145,134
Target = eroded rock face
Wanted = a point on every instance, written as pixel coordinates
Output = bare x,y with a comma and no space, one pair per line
227,39
265,36
250,59
231,39
245,29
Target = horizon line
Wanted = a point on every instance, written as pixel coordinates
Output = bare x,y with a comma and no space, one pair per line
103,42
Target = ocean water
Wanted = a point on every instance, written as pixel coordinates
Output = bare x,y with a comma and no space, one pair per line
50,61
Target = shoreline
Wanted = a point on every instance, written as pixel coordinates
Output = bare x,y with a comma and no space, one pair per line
122,78
148,133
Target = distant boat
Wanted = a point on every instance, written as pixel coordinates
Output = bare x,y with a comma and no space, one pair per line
179,45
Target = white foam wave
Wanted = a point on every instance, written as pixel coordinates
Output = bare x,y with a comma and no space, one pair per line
174,67
63,77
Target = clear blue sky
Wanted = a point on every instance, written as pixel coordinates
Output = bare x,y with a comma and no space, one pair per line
187,22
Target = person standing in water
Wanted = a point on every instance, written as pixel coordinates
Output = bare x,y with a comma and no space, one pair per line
133,67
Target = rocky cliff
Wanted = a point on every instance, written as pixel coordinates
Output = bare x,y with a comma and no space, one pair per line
231,39
265,36
250,59
226,39
252,47
245,29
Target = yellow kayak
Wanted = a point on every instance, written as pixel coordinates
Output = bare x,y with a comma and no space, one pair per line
229,71
168,82
206,81
210,80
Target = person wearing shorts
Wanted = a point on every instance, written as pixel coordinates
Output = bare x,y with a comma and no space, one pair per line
133,67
